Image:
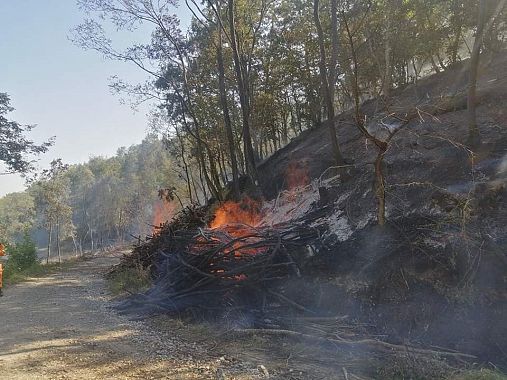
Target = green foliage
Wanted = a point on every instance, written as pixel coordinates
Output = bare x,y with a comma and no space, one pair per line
21,260
15,148
102,201
22,255
107,199
51,191
396,42
17,214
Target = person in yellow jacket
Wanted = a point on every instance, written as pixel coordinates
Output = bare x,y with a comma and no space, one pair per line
2,253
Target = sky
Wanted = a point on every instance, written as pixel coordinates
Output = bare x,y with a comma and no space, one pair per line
62,88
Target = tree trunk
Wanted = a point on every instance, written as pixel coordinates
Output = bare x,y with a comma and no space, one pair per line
434,64
194,186
298,122
335,41
227,117
74,242
355,77
50,233
91,238
473,131
82,241
185,165
380,189
200,149
382,146
203,183
458,26
215,177
441,61
386,91
416,78
285,129
338,158
58,242
202,162
241,77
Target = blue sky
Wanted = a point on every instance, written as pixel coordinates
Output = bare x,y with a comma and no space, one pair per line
62,88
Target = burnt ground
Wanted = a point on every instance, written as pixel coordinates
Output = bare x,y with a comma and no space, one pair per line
436,274
418,150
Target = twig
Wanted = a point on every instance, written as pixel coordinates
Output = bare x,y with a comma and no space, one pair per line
362,342
289,301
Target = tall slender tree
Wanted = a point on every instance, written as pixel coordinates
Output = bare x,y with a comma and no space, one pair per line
325,80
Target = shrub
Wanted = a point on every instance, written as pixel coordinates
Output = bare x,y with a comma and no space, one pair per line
22,255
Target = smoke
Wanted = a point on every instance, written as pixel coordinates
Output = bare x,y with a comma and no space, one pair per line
502,168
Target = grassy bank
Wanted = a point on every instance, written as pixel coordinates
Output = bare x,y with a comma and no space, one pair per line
13,275
23,263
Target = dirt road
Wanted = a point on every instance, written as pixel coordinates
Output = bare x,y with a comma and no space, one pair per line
62,327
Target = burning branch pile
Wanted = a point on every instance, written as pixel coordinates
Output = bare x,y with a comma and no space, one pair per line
238,260
257,266
232,267
144,255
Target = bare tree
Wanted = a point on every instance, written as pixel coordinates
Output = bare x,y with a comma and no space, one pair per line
242,79
325,79
227,117
169,51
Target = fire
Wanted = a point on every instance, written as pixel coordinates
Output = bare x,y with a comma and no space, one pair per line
162,212
297,175
235,220
246,212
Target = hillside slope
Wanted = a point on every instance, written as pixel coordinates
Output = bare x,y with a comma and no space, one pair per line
435,273
425,141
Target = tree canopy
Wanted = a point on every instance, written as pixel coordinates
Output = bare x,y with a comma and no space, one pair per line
249,75
16,149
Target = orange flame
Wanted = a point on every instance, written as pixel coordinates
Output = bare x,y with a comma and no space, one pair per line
162,212
234,219
297,175
245,212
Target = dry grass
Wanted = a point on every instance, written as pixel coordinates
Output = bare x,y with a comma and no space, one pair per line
129,280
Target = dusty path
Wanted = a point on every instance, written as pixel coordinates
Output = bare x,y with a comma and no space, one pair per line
60,327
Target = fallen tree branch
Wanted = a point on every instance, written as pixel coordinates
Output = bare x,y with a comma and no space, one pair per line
362,342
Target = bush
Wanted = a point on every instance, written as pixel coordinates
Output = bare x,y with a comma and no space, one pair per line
21,256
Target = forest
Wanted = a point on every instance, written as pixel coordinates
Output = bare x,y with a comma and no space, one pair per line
246,78
94,205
